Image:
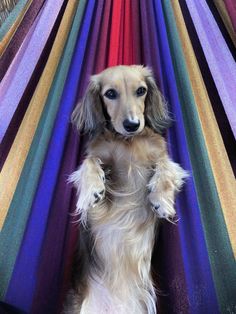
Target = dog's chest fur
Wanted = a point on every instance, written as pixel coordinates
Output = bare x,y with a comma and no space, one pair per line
124,219
128,164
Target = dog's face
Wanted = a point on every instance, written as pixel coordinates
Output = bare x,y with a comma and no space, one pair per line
128,96
123,91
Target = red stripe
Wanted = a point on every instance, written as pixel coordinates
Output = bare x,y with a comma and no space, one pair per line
128,45
121,35
121,24
113,57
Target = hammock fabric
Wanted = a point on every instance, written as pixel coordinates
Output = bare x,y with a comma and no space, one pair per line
48,51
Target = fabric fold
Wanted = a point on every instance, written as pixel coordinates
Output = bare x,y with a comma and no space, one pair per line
21,77
9,176
10,240
217,240
12,18
57,198
18,36
8,37
226,19
231,8
222,171
219,58
116,24
192,267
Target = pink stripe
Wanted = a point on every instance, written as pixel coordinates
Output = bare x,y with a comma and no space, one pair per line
26,63
218,56
231,8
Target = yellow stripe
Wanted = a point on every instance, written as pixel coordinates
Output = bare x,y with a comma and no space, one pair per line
7,38
226,19
16,158
223,174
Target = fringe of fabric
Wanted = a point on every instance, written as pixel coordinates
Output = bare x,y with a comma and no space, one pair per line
6,6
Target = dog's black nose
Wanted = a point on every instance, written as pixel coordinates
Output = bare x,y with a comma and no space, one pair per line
131,126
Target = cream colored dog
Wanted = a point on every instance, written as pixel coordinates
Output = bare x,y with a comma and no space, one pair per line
125,184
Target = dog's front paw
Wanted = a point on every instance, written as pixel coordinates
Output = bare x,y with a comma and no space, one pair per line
166,181
96,195
91,192
89,180
162,205
161,196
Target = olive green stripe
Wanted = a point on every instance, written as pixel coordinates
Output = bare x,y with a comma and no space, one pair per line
11,18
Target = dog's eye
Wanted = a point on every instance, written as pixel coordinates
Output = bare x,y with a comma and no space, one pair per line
111,94
141,91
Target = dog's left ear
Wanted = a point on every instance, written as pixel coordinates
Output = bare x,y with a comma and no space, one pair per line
156,111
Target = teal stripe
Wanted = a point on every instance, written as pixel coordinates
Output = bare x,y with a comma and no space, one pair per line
13,230
9,21
218,244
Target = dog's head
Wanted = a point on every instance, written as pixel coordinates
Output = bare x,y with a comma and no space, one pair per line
126,98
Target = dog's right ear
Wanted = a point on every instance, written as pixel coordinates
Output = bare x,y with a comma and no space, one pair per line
88,114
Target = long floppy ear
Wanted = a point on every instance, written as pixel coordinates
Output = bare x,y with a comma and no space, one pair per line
156,111
88,115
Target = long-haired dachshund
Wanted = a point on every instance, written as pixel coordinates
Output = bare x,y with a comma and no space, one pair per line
125,184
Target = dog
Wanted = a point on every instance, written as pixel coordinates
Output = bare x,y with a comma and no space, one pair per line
125,184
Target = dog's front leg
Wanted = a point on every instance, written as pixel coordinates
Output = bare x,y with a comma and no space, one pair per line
89,180
167,179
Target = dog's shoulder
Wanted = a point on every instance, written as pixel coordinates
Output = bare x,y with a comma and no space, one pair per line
101,145
152,139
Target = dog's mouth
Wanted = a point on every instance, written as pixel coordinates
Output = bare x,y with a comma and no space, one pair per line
130,134
110,125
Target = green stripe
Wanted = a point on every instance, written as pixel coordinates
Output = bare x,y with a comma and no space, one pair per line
9,21
13,230
218,244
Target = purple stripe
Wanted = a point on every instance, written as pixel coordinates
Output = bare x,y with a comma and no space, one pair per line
150,55
52,285
173,285
28,93
21,76
6,82
201,291
219,58
18,37
41,208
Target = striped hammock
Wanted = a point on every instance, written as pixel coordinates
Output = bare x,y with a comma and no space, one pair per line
48,51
